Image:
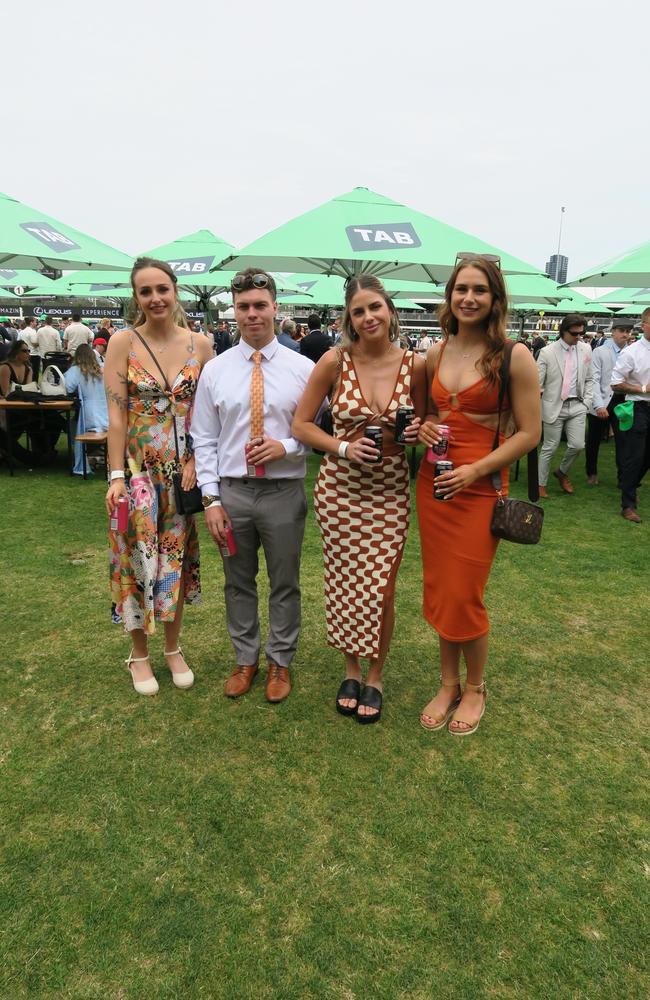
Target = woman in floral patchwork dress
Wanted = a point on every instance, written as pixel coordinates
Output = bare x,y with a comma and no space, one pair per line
155,563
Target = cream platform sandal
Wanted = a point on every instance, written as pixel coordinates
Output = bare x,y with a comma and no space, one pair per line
186,678
149,686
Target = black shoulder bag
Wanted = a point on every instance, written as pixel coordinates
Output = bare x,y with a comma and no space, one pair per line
187,501
515,520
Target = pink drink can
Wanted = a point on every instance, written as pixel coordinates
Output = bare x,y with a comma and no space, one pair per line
253,471
229,547
120,516
441,447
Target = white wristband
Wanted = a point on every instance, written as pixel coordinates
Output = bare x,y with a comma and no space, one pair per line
343,448
644,389
117,474
215,503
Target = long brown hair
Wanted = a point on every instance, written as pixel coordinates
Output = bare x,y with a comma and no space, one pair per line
179,313
489,363
366,282
86,361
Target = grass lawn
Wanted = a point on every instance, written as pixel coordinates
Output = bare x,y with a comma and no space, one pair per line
192,846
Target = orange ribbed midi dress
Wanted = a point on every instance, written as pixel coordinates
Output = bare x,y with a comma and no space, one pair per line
457,545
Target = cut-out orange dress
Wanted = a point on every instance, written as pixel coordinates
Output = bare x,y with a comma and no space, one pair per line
458,547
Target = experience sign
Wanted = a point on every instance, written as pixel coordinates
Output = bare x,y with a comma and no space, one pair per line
398,235
53,239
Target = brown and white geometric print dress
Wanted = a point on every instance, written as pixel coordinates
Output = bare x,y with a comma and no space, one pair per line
363,512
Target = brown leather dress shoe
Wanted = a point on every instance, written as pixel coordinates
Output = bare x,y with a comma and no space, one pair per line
563,480
543,494
240,681
278,683
630,514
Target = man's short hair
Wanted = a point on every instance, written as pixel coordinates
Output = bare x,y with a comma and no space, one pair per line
288,326
573,319
76,317
645,316
313,321
48,320
248,275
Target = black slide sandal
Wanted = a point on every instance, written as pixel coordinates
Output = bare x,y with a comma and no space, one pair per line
371,697
348,689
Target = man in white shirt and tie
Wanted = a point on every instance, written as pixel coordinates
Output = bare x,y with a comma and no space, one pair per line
249,394
566,383
631,375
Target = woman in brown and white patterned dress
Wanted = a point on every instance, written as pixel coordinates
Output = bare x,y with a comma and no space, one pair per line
362,505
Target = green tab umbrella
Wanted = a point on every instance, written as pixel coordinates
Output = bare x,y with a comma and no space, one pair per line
329,290
31,239
627,296
628,270
11,279
365,232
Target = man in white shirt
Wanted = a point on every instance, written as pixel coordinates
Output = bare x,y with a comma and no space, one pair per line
424,343
249,394
76,333
631,375
47,339
565,379
601,416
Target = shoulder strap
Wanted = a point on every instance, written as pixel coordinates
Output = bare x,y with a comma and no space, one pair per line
531,458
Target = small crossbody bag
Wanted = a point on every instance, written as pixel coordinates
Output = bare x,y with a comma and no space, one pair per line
187,501
515,520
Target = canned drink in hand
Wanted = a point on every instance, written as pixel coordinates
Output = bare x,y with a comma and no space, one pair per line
253,471
229,547
120,516
403,419
439,468
376,435
441,447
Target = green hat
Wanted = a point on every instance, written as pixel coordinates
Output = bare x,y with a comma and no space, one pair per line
625,414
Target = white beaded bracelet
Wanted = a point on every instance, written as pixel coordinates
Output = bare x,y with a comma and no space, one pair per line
343,448
117,474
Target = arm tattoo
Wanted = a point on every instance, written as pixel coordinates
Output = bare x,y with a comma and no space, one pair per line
114,397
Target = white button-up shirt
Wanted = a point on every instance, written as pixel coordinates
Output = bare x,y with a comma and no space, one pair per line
633,365
573,385
222,415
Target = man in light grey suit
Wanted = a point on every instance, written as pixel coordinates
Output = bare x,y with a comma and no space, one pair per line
601,415
566,383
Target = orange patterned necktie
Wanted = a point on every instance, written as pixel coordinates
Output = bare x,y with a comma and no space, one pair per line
257,396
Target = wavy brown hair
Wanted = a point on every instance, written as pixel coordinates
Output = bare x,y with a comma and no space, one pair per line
86,361
489,364
362,283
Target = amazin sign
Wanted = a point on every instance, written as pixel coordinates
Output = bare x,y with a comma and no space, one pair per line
387,236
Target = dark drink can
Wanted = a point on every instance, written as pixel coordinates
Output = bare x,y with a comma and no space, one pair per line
229,547
441,447
403,419
376,435
442,465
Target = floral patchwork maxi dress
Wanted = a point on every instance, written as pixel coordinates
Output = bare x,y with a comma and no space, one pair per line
161,547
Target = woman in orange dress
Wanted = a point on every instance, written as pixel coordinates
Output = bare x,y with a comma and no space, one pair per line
457,545
363,505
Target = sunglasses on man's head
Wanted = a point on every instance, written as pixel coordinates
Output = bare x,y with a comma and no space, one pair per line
242,282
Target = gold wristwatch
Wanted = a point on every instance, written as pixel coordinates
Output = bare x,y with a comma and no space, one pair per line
209,499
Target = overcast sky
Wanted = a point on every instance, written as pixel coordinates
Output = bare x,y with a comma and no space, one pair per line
142,122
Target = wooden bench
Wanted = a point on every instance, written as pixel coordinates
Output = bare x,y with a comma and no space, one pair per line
93,437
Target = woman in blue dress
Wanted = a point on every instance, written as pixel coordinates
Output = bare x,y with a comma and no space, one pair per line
86,379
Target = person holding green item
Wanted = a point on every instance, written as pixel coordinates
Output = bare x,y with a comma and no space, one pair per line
631,375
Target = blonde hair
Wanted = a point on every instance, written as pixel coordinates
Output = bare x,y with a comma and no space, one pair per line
359,283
